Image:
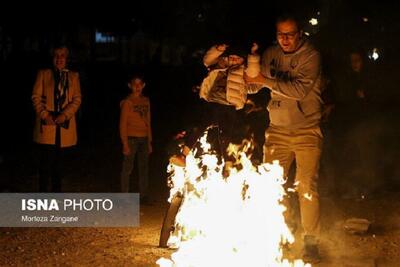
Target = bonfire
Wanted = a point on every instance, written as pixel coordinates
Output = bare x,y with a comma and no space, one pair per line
228,220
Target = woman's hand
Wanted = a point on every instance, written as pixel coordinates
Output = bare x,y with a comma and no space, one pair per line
60,119
49,120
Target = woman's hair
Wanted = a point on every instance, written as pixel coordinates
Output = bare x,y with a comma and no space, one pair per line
58,47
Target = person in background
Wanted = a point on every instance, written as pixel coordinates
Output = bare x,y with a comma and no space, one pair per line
355,127
136,136
56,98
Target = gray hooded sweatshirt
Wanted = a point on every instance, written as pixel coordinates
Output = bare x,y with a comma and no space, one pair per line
295,83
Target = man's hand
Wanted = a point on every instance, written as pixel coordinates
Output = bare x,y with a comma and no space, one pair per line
60,119
260,79
150,148
49,120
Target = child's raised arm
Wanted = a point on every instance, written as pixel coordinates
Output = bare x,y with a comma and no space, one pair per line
213,54
253,62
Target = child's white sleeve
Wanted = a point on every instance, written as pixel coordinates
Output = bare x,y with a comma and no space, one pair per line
253,65
212,56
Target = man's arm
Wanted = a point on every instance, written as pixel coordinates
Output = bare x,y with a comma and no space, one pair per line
295,87
255,83
298,87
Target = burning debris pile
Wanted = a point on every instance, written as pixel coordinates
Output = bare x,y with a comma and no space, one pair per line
234,220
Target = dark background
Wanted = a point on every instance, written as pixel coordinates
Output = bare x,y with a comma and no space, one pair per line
166,40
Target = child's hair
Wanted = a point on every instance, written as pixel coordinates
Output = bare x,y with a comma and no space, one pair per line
59,46
135,76
235,50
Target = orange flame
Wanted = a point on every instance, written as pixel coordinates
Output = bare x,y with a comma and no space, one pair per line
228,221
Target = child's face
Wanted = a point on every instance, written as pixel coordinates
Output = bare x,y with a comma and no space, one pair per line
136,85
235,60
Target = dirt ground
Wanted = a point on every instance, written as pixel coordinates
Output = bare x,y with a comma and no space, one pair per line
138,246
380,246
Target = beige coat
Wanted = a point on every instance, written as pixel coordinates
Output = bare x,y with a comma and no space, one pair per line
43,102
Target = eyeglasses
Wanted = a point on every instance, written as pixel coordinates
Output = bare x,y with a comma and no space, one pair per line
289,35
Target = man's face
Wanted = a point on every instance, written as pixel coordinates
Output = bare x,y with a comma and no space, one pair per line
60,58
288,35
356,62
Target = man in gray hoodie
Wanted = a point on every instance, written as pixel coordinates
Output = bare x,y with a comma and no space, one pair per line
292,71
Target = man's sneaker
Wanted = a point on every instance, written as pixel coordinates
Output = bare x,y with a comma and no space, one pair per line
311,250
